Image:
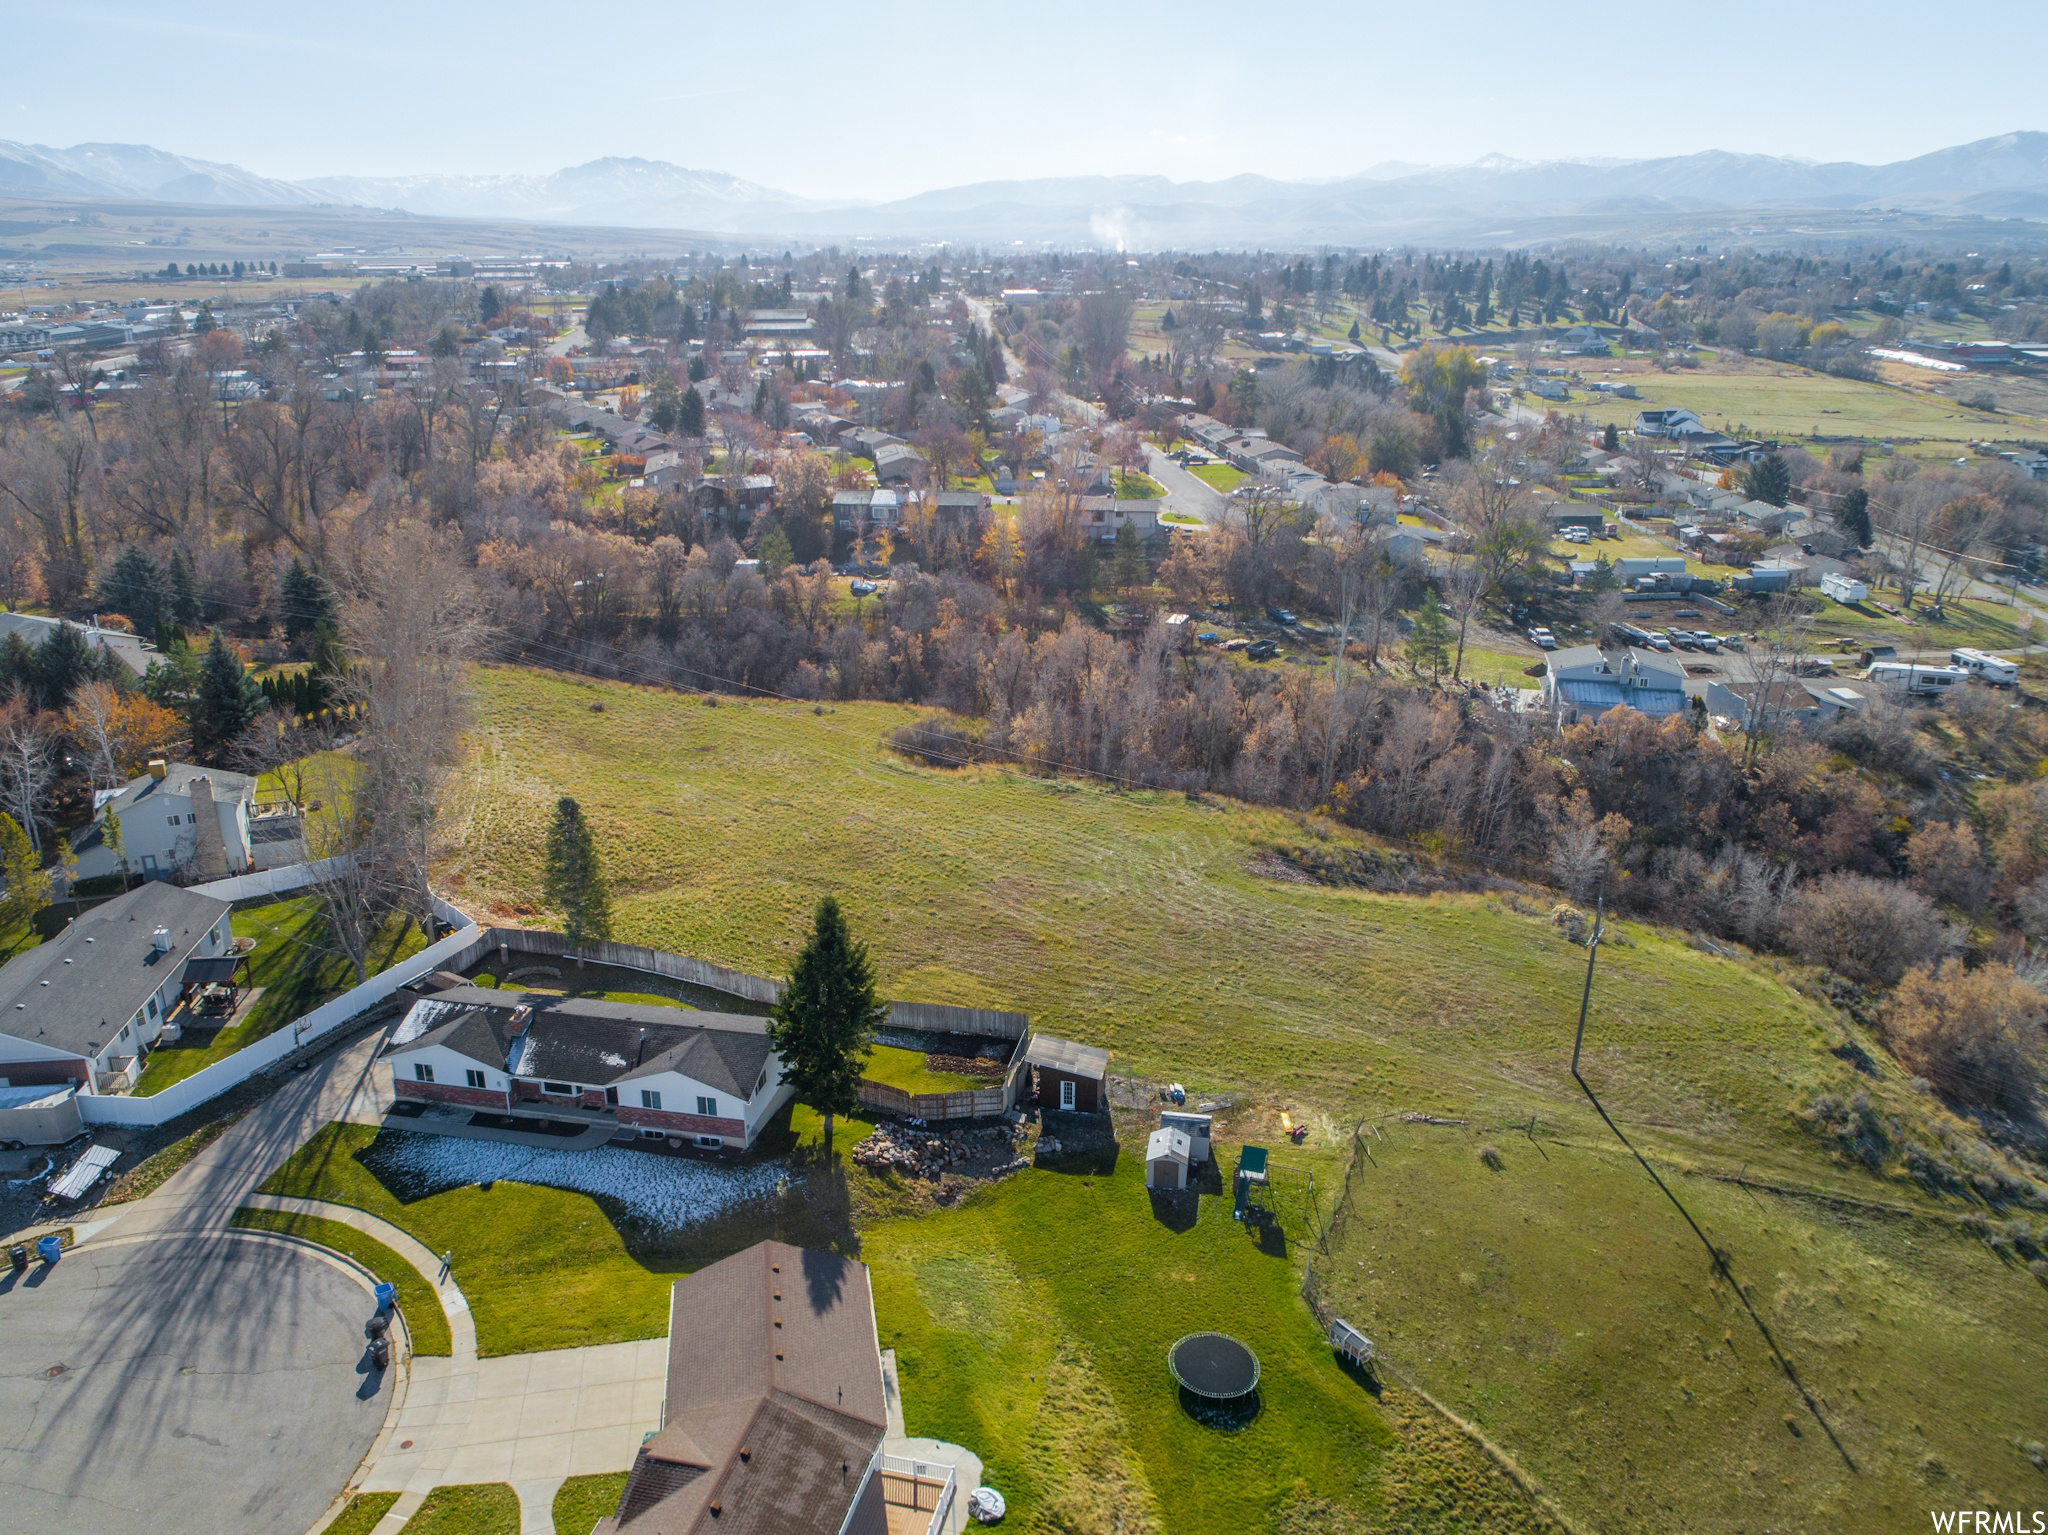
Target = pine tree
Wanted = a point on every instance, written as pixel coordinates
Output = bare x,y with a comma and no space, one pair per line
822,1027
691,417
1852,516
573,881
307,599
1430,645
1768,480
1130,556
226,703
1610,440
28,884
132,584
63,662
181,591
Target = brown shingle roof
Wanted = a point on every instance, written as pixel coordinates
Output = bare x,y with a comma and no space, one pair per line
775,1402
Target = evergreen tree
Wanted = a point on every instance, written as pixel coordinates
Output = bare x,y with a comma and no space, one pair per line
1768,480
1356,335
132,584
1852,516
1611,438
822,1027
1130,556
181,591
307,599
1430,645
63,662
691,418
573,881
28,885
225,703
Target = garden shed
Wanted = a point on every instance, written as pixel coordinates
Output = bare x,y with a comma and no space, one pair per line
1166,1158
1070,1076
1195,1126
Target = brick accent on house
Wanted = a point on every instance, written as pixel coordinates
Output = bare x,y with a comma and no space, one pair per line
45,1073
529,1092
445,1092
593,1098
682,1124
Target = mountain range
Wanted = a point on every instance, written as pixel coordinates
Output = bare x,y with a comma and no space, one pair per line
1494,198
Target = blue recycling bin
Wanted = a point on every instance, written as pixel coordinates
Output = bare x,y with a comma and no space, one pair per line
50,1248
387,1296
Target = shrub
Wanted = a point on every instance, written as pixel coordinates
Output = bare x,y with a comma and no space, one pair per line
940,741
1976,1034
1491,1157
1870,930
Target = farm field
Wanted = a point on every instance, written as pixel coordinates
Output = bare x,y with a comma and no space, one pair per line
1135,920
1772,400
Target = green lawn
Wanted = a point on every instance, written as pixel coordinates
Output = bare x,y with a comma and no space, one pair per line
512,1242
482,1508
1138,487
1134,920
583,1500
1219,476
1988,625
424,1318
365,1511
298,966
905,1069
1048,1357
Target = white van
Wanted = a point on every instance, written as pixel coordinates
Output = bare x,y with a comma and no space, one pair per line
1996,670
1915,678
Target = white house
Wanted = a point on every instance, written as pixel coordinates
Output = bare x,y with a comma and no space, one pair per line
668,1073
177,815
1583,682
1666,423
85,1007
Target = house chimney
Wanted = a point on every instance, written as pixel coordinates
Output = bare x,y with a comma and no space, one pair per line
160,940
158,768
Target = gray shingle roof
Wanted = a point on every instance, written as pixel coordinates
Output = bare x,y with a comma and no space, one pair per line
102,968
1065,1055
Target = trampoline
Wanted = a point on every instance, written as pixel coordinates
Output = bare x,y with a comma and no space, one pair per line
1214,1366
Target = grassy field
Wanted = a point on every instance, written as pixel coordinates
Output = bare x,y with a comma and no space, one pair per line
424,1319
1768,399
482,1508
297,966
512,1243
1135,921
583,1500
905,1069
1050,1359
1986,625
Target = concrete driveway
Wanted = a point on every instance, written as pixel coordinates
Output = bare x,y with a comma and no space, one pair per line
209,1384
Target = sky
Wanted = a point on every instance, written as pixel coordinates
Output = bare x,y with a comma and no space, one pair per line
885,99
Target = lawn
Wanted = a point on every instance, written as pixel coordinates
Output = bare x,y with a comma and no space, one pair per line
482,1508
424,1319
905,1069
1136,921
512,1242
297,965
1048,1357
583,1500
1988,625
365,1511
1219,476
1138,487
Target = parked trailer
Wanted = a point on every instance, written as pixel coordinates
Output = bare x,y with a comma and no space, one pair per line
1985,667
1929,681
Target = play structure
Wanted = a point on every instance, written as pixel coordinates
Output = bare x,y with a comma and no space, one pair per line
1249,1195
1214,1366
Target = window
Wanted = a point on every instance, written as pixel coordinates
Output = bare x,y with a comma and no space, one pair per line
708,1107
709,1140
559,1089
422,1072
649,1100
476,1078
1066,1093
153,1006
652,1135
171,821
611,1097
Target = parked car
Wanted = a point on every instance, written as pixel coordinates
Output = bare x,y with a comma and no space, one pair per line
1659,640
1542,639
1262,650
863,588
1280,616
1208,637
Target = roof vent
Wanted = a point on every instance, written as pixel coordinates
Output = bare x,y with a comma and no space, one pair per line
160,940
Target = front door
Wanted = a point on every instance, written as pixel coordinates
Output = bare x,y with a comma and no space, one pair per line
1067,1095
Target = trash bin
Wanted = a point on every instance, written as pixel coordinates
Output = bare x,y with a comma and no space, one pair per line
17,1257
387,1296
376,1327
380,1351
49,1248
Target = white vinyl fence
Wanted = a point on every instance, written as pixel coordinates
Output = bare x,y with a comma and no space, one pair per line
279,881
245,1063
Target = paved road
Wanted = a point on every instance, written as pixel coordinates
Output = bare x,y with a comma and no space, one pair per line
209,1385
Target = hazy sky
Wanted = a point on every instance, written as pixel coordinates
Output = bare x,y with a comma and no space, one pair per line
881,100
